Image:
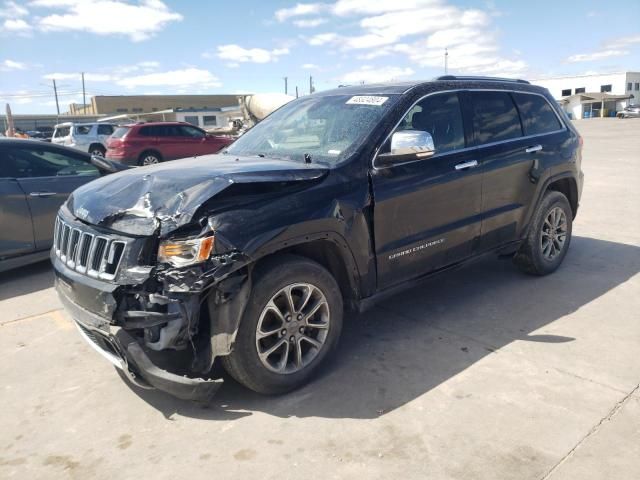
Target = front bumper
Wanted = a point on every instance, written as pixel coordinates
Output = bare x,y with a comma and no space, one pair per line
123,351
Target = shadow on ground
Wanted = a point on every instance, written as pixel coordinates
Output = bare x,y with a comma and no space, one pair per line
418,339
25,280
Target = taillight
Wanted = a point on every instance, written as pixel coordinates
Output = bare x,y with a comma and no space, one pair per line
580,140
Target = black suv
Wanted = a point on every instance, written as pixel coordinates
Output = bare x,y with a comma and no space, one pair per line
333,201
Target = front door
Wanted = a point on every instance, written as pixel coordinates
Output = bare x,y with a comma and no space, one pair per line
16,231
427,212
47,176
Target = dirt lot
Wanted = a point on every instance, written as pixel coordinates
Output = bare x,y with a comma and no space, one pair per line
482,373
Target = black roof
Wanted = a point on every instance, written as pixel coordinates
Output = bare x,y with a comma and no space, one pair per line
448,81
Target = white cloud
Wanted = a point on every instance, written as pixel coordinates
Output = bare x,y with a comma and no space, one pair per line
236,53
89,77
310,66
617,47
138,21
421,30
310,23
589,57
8,65
369,74
13,10
17,25
324,38
188,77
298,10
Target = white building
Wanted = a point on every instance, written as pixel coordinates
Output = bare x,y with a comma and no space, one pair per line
586,96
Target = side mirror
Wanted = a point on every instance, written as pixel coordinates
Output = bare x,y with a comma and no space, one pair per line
407,145
107,166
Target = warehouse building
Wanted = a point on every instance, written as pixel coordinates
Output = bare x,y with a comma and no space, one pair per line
601,95
136,104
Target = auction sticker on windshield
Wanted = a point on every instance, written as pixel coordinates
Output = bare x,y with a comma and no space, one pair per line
367,100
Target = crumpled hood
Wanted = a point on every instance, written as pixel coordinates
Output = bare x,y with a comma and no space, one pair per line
163,197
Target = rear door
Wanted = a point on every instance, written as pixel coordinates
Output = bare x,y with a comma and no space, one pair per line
16,230
170,141
507,158
427,212
47,176
104,132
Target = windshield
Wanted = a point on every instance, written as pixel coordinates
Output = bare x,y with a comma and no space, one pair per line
328,128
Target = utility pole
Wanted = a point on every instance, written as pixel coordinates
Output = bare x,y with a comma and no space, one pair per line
296,91
311,89
84,97
55,92
446,61
286,87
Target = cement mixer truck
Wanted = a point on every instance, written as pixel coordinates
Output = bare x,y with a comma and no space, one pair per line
253,108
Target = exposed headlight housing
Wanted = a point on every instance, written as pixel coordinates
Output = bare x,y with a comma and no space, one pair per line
181,253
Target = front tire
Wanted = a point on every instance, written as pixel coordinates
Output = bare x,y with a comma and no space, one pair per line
291,325
549,236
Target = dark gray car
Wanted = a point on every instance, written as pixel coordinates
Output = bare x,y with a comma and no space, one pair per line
35,179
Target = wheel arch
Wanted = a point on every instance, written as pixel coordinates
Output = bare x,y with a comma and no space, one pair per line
150,150
327,249
97,145
569,188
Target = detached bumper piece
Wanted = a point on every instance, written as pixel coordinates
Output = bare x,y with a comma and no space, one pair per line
124,351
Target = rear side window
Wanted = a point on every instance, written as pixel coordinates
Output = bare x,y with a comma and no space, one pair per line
62,132
120,132
536,113
105,129
439,115
495,117
148,131
83,129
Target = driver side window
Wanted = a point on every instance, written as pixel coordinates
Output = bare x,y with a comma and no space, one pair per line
441,116
47,163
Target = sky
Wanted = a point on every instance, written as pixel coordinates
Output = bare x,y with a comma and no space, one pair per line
249,46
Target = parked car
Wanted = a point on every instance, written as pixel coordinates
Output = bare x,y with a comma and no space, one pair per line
337,199
88,137
38,135
631,111
155,142
35,179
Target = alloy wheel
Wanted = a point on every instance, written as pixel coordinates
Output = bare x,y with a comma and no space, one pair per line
292,328
554,233
150,160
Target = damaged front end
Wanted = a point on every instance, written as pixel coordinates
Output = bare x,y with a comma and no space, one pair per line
143,266
153,312
162,325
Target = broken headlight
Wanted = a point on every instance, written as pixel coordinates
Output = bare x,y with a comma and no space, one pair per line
181,253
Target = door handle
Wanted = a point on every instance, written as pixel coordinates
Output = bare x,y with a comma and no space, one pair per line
471,164
42,194
535,148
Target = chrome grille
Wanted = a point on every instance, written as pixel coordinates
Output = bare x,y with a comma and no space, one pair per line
90,254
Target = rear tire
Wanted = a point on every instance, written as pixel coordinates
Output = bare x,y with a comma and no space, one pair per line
97,150
549,236
279,348
149,157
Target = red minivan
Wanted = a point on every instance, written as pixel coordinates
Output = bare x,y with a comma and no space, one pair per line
150,143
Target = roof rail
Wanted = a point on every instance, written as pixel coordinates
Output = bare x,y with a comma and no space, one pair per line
487,79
